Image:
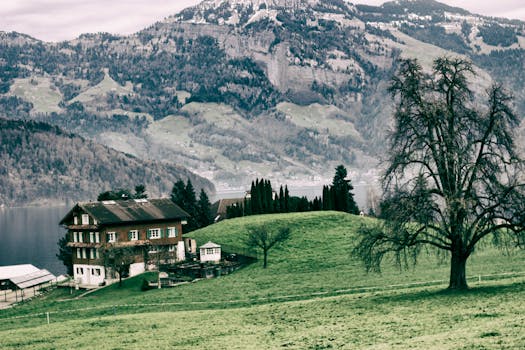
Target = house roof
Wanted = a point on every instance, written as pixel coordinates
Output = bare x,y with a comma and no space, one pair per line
209,245
33,279
8,272
222,204
126,211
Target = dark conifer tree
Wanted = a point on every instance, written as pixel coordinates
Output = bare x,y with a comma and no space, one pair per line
203,210
140,192
177,194
286,199
281,200
190,200
343,197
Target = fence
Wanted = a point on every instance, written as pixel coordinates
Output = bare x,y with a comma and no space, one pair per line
47,317
11,296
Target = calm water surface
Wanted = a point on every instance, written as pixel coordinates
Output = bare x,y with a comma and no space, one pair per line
30,236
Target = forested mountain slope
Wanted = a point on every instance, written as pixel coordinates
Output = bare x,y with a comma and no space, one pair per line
41,164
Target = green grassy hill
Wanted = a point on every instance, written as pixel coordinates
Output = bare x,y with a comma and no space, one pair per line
312,295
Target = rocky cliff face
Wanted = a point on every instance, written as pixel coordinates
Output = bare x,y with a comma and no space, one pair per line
238,89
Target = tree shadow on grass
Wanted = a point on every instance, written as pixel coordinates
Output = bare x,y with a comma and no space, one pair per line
472,292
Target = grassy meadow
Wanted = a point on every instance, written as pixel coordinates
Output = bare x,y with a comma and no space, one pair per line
313,295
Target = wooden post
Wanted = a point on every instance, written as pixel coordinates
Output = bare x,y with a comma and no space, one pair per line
47,316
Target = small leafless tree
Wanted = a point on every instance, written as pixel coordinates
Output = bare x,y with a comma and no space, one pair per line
263,238
118,259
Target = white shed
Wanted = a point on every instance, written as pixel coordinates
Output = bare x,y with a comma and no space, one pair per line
210,252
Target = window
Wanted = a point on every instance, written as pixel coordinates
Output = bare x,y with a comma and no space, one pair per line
210,250
85,219
84,253
111,237
172,247
80,237
75,220
92,254
95,272
80,270
75,236
154,233
97,254
79,254
92,237
95,222
172,232
97,237
133,235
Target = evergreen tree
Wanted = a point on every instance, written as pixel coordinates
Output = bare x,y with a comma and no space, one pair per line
343,197
118,194
316,204
184,197
140,192
65,254
327,199
190,201
247,209
177,194
203,210
281,199
286,199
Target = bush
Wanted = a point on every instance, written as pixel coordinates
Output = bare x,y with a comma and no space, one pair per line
145,285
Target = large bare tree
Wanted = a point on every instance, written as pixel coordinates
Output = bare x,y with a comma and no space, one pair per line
453,173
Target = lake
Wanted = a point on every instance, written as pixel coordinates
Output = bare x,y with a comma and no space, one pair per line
30,235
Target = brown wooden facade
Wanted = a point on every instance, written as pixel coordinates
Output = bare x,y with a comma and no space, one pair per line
92,227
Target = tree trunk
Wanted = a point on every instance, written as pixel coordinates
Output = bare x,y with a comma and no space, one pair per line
265,253
458,278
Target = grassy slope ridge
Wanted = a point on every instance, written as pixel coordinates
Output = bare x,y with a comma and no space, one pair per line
280,306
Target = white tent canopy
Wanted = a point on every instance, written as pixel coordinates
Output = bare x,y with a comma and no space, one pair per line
8,272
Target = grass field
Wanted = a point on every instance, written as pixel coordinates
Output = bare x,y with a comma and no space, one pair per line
313,295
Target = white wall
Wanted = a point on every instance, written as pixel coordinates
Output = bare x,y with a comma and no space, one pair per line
181,251
88,274
136,268
214,257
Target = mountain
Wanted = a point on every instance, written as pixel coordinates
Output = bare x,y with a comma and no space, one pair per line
238,89
41,164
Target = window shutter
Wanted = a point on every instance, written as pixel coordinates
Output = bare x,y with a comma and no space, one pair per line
107,237
176,231
129,235
148,234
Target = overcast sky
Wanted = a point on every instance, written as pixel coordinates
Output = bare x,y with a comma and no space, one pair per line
55,20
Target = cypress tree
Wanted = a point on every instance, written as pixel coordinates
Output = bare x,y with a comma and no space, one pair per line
286,199
281,199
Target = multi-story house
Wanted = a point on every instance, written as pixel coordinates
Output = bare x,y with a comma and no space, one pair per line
147,230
